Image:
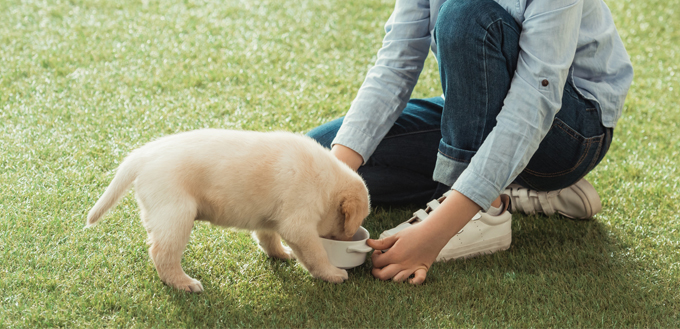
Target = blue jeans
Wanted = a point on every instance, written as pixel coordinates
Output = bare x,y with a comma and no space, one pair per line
433,133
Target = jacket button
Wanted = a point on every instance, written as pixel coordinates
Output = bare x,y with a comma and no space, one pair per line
545,83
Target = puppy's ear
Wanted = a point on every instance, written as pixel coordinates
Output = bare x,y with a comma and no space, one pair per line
354,211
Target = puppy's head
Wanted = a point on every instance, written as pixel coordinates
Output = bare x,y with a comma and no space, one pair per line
351,206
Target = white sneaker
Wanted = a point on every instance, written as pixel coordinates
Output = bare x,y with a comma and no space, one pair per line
484,234
579,201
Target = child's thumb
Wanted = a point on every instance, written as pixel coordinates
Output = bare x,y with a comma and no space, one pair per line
382,244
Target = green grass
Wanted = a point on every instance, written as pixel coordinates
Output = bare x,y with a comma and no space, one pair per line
83,82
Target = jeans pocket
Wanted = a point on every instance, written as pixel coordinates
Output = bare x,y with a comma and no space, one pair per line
563,157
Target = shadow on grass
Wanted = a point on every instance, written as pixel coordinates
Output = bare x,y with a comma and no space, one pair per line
557,272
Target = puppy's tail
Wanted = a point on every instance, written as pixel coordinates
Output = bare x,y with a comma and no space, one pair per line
127,172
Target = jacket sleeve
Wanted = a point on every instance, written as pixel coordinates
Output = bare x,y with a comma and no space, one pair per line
389,84
548,42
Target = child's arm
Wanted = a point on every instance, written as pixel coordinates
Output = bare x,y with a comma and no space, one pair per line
348,156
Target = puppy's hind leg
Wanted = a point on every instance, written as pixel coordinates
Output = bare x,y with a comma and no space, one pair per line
270,242
169,228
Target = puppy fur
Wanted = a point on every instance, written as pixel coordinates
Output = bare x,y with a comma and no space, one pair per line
277,184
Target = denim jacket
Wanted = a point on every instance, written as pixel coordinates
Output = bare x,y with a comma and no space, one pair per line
561,40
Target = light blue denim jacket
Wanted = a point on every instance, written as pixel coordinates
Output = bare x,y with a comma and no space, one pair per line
561,40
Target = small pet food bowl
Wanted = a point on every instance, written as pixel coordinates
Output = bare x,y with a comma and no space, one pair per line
348,254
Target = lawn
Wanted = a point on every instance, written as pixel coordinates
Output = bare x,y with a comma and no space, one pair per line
83,82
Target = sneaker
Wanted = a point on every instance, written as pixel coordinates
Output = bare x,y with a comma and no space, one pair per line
579,201
484,234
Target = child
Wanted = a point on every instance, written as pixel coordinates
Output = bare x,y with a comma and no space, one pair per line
532,93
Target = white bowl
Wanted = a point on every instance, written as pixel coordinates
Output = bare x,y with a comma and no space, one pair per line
348,254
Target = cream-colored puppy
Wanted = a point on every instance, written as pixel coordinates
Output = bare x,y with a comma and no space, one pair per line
276,184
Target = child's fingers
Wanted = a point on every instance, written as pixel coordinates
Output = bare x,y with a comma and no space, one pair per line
387,272
419,276
380,259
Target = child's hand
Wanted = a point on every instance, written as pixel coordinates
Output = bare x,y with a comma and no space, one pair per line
413,250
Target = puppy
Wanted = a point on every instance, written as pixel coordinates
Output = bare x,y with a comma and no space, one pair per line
277,184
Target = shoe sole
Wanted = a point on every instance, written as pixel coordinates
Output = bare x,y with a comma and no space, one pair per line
587,193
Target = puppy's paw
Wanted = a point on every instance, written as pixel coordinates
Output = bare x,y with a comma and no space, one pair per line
287,253
281,252
335,275
188,285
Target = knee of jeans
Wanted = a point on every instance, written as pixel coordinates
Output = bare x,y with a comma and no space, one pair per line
448,24
458,19
325,133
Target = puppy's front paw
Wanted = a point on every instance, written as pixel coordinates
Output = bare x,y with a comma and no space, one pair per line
335,275
189,285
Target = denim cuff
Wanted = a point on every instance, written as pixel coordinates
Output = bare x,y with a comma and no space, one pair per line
454,153
447,170
452,169
451,162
